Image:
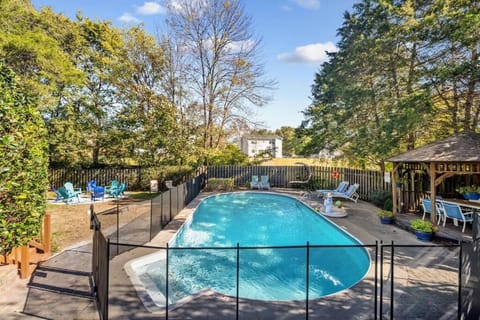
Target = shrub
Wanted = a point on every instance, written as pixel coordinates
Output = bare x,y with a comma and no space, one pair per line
219,184
382,199
231,155
23,165
317,184
388,204
174,173
385,214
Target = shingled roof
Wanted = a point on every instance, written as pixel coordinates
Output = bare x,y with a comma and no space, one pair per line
462,147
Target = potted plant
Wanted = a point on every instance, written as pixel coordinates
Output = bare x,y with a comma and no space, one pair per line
471,192
400,182
386,216
424,230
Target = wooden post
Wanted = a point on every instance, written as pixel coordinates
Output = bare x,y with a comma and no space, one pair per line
25,262
394,189
433,196
47,235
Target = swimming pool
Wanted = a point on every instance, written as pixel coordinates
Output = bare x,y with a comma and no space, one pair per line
254,219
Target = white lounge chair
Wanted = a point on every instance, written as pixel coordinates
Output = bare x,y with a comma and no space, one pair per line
342,187
254,184
264,184
350,194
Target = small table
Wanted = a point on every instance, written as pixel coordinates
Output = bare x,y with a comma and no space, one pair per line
335,212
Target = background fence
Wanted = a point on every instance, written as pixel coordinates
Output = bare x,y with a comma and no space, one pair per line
321,177
136,178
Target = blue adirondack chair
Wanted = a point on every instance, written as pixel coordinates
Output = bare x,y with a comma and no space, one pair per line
58,196
91,185
97,193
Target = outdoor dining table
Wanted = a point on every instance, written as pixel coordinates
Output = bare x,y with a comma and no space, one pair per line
473,205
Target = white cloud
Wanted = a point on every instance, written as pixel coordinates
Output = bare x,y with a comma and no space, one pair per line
286,8
175,6
149,8
179,5
238,46
128,18
311,53
307,4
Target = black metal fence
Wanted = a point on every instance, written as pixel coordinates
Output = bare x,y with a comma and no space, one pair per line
168,204
100,264
161,210
399,285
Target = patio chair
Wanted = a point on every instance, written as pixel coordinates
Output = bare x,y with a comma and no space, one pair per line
112,188
67,196
72,190
303,184
58,196
97,193
118,191
254,183
427,208
350,194
454,211
264,184
91,185
342,187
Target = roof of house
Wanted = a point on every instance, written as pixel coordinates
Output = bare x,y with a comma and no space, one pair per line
265,137
461,147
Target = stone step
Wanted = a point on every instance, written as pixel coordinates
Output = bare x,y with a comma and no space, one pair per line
8,274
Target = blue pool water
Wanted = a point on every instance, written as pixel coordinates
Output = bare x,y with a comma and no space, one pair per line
257,219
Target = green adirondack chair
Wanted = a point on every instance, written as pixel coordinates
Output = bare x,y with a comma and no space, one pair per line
66,195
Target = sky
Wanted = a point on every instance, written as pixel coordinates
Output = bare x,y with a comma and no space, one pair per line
295,35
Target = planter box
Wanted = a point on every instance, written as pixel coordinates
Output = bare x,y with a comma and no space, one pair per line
386,220
471,195
424,236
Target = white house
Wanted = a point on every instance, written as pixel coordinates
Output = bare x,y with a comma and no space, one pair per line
257,145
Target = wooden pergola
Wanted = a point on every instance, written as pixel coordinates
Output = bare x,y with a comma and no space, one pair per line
456,155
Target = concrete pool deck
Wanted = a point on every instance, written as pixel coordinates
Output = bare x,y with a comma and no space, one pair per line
59,289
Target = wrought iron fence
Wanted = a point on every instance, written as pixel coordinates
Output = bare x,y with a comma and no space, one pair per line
398,286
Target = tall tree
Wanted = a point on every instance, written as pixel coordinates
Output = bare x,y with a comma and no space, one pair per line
147,119
97,99
451,56
225,74
402,76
